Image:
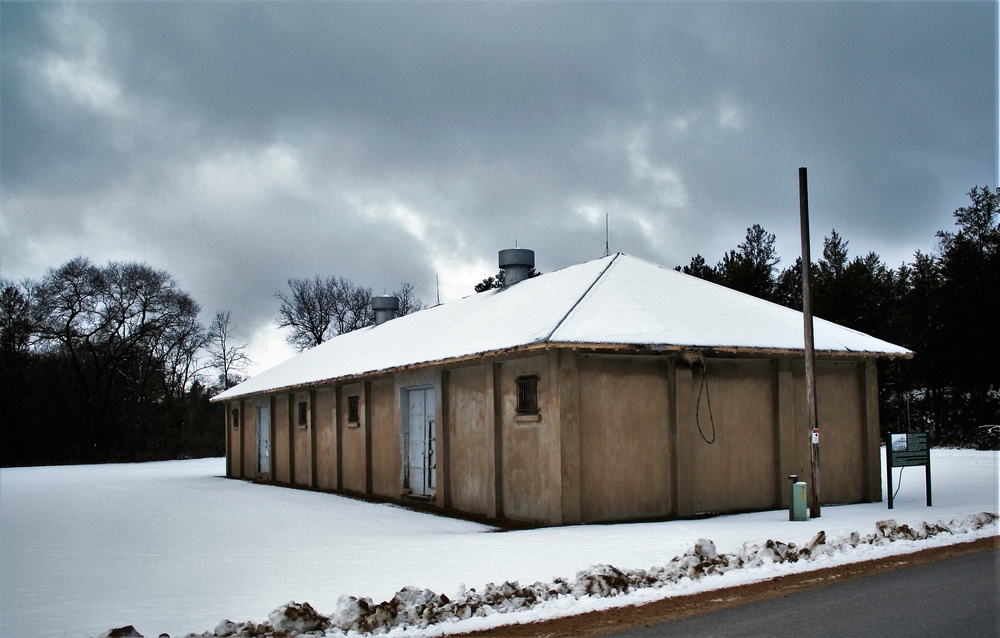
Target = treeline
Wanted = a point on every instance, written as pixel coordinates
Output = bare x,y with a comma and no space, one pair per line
945,306
101,364
111,364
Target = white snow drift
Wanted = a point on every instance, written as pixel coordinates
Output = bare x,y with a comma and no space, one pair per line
175,548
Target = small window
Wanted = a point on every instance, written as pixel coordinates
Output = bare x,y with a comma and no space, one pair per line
236,419
303,414
527,394
352,409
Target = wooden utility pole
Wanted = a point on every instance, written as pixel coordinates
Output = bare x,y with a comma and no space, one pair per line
809,344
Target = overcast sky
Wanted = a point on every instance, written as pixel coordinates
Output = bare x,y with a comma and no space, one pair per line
236,145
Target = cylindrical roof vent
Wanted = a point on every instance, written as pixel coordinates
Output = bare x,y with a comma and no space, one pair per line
516,264
385,307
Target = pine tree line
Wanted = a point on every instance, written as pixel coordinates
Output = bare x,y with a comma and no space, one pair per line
945,306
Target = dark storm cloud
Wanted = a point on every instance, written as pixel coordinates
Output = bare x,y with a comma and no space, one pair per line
239,144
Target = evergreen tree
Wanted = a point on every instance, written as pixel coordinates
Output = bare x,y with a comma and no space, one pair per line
969,303
750,268
699,268
497,280
788,288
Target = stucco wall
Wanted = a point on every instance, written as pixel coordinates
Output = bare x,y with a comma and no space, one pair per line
617,438
233,429
625,459
242,464
353,440
249,451
470,436
302,437
531,461
385,455
738,470
840,416
326,439
280,459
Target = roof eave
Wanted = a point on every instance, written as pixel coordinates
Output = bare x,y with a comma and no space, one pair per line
614,348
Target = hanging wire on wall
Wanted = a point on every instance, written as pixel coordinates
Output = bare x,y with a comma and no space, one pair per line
708,395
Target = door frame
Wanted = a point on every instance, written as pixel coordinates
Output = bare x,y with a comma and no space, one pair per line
428,434
263,438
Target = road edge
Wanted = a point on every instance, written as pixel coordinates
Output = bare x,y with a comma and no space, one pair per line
618,619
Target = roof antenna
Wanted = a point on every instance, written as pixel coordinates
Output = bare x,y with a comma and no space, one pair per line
607,250
437,283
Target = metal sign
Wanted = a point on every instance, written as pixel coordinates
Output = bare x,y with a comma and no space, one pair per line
906,450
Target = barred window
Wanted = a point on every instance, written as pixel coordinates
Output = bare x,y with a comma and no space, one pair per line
352,409
527,394
303,414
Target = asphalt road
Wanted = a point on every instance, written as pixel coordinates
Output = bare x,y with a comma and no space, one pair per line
954,597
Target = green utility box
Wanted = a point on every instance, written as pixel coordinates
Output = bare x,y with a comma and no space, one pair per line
797,503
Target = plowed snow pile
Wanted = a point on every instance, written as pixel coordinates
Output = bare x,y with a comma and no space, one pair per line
413,610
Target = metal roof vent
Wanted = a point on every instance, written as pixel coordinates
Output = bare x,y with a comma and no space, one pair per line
516,264
385,307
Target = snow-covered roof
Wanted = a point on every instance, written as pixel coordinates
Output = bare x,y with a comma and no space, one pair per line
617,300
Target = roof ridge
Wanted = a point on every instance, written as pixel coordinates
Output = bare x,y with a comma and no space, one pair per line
586,292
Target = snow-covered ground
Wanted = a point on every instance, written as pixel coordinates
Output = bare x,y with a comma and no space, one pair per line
173,547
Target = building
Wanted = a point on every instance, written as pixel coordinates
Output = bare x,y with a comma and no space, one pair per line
612,390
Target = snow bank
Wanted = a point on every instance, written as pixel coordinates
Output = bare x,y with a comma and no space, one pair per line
413,610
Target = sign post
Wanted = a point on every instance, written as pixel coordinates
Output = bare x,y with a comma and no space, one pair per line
905,450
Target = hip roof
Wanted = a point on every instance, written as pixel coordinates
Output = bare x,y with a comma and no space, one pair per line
619,300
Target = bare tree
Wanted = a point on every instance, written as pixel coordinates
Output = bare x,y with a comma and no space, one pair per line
352,306
308,310
408,302
129,334
319,309
229,359
177,352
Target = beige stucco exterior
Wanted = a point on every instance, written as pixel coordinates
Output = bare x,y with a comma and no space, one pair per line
626,434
